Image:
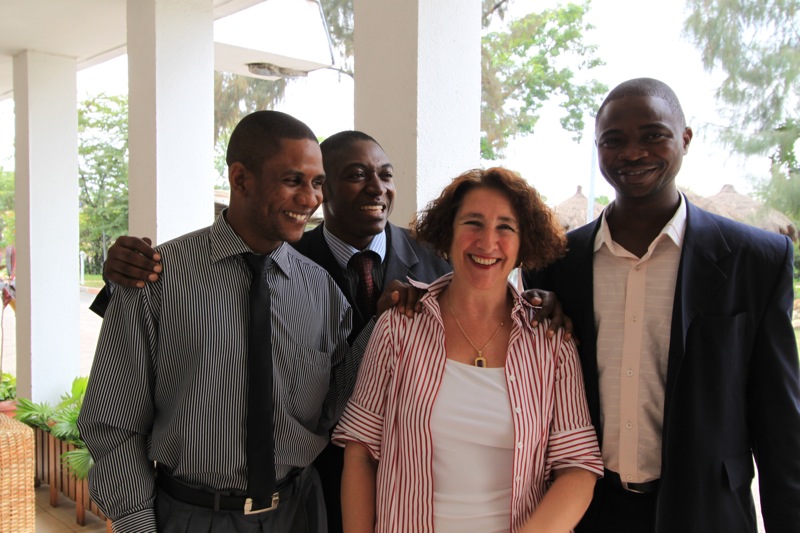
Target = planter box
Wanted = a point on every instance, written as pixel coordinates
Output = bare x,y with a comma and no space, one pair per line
50,471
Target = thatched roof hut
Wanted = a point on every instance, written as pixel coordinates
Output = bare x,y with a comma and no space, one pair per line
734,205
571,213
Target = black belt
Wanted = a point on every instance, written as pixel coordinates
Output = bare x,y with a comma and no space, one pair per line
219,501
648,487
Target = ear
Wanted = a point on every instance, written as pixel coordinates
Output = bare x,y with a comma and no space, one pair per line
237,177
687,139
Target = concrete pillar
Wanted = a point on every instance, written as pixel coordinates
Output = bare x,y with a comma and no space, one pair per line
45,98
171,98
418,91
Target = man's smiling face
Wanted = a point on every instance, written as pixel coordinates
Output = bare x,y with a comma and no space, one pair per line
641,142
359,192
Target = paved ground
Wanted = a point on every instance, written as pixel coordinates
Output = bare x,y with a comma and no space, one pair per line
90,329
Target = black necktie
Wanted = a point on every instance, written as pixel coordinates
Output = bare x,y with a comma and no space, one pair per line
260,444
366,292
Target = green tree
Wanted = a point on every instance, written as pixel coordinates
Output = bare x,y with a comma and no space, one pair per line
102,175
236,96
756,45
7,218
523,67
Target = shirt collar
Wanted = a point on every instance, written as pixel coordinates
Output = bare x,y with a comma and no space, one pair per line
224,243
343,251
522,312
675,229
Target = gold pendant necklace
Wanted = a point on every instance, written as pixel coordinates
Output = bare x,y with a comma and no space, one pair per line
479,361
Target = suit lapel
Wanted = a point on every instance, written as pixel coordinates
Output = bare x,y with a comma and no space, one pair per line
578,288
320,253
400,256
700,278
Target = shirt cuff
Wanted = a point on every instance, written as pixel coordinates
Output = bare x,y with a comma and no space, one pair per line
143,521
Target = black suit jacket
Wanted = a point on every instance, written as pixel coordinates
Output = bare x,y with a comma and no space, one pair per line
405,258
733,385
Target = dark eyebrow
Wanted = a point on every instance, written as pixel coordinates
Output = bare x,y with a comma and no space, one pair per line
480,215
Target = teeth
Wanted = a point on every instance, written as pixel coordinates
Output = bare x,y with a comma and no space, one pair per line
297,216
634,172
372,208
484,260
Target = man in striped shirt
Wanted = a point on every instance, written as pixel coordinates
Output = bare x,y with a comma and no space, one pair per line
169,381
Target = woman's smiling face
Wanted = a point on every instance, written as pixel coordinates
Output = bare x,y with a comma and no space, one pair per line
486,240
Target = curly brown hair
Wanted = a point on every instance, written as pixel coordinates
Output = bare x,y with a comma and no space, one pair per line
542,240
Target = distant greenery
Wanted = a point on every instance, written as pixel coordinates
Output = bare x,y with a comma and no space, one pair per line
524,64
7,219
102,175
93,280
754,44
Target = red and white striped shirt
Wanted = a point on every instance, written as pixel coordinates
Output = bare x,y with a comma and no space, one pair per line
390,411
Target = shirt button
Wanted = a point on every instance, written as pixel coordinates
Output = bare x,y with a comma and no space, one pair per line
512,379
637,268
628,425
635,317
519,445
629,477
519,479
517,410
629,372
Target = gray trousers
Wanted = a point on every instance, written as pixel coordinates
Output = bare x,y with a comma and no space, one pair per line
301,510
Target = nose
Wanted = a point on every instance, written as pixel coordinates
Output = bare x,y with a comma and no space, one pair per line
309,196
487,239
632,152
374,185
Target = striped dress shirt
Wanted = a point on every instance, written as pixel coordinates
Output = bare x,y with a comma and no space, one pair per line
169,379
390,411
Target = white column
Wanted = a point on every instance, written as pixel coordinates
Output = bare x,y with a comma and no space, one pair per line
171,98
417,91
45,99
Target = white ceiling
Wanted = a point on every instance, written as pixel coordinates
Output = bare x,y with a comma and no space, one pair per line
94,31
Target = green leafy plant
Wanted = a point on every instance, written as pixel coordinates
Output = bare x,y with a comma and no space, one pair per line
8,387
62,422
34,414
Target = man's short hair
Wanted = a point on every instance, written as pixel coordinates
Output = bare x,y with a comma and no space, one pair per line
258,136
337,142
645,87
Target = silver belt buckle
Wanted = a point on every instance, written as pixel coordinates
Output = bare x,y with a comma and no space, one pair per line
248,505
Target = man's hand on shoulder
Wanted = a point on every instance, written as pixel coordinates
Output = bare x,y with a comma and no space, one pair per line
132,262
549,307
402,295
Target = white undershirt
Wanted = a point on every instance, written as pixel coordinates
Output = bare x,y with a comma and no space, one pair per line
473,450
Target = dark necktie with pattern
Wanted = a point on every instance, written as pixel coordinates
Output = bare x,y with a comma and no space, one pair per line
366,292
260,444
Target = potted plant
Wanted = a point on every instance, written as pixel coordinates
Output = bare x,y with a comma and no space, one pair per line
66,460
62,422
8,394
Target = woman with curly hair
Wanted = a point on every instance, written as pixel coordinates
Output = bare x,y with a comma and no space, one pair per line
466,417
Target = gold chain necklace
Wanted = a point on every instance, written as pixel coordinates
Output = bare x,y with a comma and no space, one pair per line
479,361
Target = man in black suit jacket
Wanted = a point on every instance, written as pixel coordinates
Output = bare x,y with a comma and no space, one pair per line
359,195
692,375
